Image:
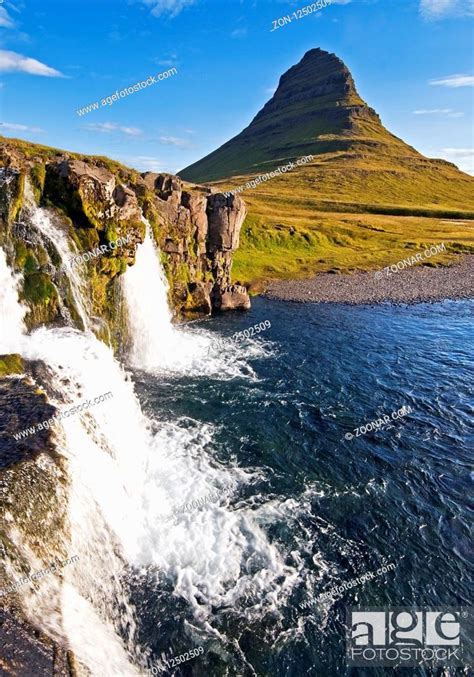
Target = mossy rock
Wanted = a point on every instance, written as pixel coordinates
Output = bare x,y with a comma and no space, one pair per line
16,202
38,289
11,364
37,179
86,239
31,263
21,252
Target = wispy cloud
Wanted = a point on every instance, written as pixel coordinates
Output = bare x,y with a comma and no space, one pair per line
13,127
444,112
12,62
439,9
171,7
5,19
459,152
108,127
175,141
458,80
239,33
462,157
144,163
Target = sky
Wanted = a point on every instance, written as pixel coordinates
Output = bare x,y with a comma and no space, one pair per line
412,61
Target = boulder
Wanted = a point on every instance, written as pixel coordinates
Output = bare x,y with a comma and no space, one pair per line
234,297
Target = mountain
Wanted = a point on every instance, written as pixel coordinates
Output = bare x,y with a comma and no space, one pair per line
303,221
316,109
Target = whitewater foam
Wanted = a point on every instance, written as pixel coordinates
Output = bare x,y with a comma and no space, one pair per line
12,312
157,345
126,472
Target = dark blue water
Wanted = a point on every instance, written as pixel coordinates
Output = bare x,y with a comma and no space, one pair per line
399,494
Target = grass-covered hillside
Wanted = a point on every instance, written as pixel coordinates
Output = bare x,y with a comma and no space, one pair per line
364,201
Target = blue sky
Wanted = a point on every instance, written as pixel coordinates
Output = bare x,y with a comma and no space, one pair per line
412,61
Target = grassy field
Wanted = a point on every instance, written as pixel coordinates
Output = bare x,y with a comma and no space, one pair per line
344,216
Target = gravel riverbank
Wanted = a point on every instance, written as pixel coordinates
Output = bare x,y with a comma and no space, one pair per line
411,285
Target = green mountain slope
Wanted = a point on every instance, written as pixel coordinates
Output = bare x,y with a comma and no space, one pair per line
358,168
315,109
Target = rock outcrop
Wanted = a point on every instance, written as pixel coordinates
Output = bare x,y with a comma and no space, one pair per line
98,202
198,231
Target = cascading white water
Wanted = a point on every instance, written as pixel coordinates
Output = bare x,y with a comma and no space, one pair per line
146,293
128,472
159,346
43,221
12,312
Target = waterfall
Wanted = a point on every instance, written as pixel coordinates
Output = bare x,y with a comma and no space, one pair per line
54,232
157,344
11,312
146,291
128,472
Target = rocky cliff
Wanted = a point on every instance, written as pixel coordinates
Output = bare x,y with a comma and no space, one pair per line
97,202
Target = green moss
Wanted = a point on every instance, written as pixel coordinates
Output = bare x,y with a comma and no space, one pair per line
21,253
38,289
41,255
111,233
37,179
17,200
86,239
31,263
11,364
92,211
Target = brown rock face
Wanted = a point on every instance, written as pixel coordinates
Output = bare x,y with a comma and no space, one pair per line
234,297
226,216
198,231
96,199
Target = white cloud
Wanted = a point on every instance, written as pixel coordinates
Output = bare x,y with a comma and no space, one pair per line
5,19
459,152
462,157
444,112
432,111
12,127
175,141
438,9
108,127
458,80
239,33
13,62
171,7
144,163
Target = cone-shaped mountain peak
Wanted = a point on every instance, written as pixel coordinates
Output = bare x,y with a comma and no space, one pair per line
315,109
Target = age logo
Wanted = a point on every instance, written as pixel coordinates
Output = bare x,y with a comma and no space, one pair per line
409,637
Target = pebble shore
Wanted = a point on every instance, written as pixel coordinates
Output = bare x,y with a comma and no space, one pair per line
413,285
